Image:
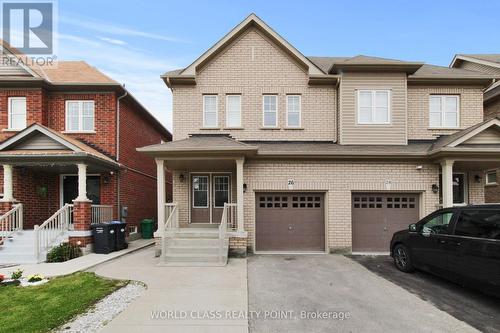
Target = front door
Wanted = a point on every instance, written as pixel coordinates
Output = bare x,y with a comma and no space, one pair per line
209,192
70,189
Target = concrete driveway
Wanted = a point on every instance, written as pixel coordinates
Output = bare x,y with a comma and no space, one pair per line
326,288
477,309
181,299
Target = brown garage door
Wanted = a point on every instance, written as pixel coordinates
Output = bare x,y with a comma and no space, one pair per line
377,216
289,222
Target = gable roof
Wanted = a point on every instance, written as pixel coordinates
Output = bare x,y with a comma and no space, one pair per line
252,20
61,144
73,72
432,71
492,59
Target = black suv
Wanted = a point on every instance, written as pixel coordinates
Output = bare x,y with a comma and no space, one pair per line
461,244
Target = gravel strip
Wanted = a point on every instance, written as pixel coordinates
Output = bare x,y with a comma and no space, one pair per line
105,310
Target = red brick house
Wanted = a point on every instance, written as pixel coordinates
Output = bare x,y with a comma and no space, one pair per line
68,156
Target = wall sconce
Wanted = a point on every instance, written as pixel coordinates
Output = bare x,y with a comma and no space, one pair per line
181,177
435,188
106,179
477,178
244,187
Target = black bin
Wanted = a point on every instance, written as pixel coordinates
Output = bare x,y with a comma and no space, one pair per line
120,234
104,237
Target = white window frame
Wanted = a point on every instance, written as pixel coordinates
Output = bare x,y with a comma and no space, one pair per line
373,107
487,182
228,188
443,107
288,111
208,190
264,111
227,111
216,111
10,99
80,116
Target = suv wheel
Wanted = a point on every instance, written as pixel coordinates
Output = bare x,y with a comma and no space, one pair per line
402,258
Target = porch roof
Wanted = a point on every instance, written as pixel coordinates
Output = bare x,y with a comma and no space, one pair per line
37,144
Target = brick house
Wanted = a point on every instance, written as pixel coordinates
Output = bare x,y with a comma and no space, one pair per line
274,151
488,64
68,154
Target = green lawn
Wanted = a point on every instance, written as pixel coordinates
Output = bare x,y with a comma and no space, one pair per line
44,307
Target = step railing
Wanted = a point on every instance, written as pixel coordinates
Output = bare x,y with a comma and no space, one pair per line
225,224
101,213
55,226
171,224
11,221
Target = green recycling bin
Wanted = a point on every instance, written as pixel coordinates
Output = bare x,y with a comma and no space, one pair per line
147,228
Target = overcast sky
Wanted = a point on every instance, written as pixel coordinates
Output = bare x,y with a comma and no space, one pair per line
134,42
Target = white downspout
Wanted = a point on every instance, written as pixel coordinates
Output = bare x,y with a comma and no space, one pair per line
118,205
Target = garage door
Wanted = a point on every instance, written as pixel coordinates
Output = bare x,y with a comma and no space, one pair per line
377,216
289,222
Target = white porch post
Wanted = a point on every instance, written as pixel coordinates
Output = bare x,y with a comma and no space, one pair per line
8,193
82,182
239,193
447,182
160,186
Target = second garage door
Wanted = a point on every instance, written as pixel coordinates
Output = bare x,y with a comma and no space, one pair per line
289,222
377,216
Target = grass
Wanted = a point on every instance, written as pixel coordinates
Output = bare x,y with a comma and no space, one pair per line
45,307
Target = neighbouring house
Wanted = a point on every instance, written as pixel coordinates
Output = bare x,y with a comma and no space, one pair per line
488,64
68,153
314,154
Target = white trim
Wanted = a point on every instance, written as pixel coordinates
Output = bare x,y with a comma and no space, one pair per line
373,107
442,111
247,22
36,127
486,175
476,131
229,184
9,112
216,110
470,59
227,111
263,111
80,115
300,110
201,175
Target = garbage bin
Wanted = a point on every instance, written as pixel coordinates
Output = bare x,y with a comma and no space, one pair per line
104,237
120,233
147,228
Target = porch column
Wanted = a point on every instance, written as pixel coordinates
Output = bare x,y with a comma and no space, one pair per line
82,182
447,182
160,187
81,234
239,193
8,193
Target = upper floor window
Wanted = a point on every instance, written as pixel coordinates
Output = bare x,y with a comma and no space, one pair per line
293,110
210,118
233,111
79,116
443,111
270,110
374,107
17,113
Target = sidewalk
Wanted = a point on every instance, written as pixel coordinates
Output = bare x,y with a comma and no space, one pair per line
183,298
78,264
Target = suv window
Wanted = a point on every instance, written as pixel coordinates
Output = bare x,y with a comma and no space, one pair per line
438,224
479,223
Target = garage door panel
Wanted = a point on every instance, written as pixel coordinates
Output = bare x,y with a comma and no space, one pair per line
290,222
377,216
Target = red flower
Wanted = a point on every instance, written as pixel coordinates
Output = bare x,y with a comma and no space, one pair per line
2,277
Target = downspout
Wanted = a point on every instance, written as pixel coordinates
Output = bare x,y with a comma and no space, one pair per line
118,205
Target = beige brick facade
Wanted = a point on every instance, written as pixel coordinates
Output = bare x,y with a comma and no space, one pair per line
253,66
471,109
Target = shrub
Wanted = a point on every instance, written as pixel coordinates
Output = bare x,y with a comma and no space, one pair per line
17,274
64,252
35,278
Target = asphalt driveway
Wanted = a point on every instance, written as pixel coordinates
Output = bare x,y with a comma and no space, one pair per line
331,293
476,309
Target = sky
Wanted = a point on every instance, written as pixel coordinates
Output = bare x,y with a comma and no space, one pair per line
134,42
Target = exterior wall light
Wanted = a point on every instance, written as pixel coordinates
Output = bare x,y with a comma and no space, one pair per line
435,188
181,177
244,187
478,178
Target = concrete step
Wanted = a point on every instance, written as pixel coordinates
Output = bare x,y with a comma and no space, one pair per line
197,233
193,242
194,250
10,258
